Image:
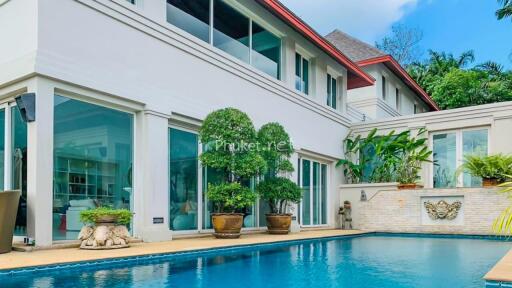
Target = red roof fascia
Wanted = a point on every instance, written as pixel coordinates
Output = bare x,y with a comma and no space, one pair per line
393,65
356,76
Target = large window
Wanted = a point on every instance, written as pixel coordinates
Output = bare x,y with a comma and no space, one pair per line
332,91
183,179
384,88
229,30
266,51
93,156
313,181
191,16
301,74
449,149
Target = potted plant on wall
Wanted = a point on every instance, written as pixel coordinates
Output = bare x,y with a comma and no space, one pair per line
230,147
492,169
105,228
411,153
276,189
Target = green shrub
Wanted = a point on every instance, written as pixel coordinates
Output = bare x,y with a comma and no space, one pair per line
123,216
230,147
488,167
275,148
279,192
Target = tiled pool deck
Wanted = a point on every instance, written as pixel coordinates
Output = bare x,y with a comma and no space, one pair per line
15,259
501,274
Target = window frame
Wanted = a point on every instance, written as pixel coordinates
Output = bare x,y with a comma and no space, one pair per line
332,91
299,52
384,87
459,151
398,99
251,18
300,171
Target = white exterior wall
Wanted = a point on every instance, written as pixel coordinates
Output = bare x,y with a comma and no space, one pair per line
369,100
109,53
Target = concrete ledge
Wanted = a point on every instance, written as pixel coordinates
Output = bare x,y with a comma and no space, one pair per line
16,260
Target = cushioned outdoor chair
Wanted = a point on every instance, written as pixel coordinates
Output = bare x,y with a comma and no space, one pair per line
8,209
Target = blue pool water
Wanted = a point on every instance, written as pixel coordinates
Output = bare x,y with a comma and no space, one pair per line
366,261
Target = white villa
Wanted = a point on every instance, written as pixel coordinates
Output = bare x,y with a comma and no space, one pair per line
122,86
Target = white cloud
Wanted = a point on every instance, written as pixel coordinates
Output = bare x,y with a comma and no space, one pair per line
366,19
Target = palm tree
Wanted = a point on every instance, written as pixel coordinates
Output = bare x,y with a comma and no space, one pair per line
506,11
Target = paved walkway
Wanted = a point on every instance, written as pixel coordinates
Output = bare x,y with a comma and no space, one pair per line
59,256
502,271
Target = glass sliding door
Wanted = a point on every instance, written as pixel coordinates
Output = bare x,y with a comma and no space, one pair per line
183,180
474,142
93,158
19,167
445,159
2,149
313,180
306,192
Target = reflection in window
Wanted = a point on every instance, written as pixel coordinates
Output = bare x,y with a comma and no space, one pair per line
93,156
266,51
314,193
183,153
191,16
306,192
332,89
474,143
445,159
230,31
19,167
301,74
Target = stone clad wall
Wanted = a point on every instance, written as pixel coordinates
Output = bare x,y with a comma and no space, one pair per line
404,211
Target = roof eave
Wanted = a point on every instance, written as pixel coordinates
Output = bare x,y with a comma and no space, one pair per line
391,63
357,78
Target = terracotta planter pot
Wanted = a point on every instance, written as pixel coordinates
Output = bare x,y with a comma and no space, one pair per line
410,186
227,225
279,223
490,182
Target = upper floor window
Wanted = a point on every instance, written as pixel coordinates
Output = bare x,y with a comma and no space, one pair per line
397,99
416,111
229,30
191,16
384,88
332,91
131,1
301,74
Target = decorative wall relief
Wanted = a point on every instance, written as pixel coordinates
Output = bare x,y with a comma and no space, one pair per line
442,209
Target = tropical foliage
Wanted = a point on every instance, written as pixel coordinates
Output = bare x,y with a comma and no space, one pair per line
279,192
506,10
488,167
452,85
385,158
276,149
230,138
122,216
503,224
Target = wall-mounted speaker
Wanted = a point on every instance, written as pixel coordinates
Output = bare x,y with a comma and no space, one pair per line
27,106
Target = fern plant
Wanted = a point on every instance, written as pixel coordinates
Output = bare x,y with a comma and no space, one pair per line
503,224
496,166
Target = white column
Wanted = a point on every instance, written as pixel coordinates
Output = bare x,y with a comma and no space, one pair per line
39,166
154,167
288,62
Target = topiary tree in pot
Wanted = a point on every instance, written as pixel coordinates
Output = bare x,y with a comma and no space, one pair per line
230,147
276,188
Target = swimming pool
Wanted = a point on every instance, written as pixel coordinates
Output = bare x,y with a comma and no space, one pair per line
375,260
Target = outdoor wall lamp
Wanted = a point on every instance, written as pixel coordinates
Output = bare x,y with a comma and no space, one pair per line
27,106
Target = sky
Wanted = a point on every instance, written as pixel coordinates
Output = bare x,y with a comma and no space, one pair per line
453,26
